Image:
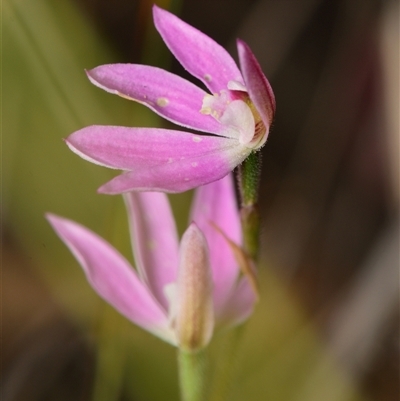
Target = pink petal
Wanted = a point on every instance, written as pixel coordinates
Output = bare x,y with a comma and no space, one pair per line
240,304
215,204
161,160
258,87
129,148
194,320
111,276
169,95
154,240
175,177
199,54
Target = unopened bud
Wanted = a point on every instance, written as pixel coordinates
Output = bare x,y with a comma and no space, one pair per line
194,322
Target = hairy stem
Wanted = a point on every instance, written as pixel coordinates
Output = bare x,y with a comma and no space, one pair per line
249,180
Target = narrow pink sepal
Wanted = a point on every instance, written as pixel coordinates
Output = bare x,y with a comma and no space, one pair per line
198,53
258,87
180,175
169,95
214,205
154,240
131,148
112,277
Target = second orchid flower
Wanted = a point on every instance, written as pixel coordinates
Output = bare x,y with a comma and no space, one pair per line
180,293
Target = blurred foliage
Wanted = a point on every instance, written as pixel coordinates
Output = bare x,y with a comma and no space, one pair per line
47,45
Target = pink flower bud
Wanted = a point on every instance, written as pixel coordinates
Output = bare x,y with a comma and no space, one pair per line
194,322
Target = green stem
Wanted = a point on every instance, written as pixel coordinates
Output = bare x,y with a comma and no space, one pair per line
250,227
192,375
249,179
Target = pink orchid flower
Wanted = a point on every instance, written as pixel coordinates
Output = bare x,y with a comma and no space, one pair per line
238,112
180,292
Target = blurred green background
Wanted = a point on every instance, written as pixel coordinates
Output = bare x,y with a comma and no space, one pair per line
327,324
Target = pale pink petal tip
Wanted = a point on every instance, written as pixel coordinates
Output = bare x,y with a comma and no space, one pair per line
200,55
112,277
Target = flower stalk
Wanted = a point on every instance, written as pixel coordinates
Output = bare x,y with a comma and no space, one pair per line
249,173
193,378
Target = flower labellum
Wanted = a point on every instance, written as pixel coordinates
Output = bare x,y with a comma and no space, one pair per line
179,292
237,111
